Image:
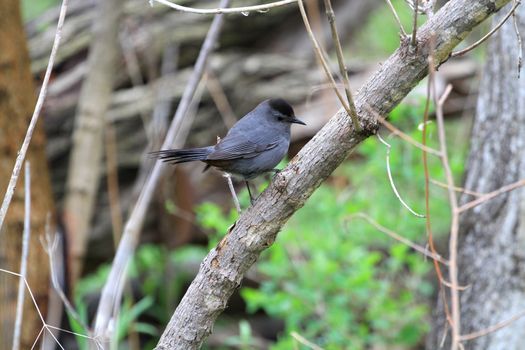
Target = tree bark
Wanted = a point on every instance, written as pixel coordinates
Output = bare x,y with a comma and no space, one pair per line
86,156
222,270
491,253
17,100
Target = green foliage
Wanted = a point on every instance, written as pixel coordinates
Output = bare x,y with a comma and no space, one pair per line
31,8
334,278
379,37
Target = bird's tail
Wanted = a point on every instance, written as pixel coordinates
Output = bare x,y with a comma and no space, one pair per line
176,156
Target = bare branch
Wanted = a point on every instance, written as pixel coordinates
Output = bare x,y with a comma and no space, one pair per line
402,239
490,195
34,118
489,34
492,328
223,9
341,60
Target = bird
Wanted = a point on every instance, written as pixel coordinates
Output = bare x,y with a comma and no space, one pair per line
253,146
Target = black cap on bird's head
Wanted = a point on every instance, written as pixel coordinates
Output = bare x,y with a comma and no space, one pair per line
284,111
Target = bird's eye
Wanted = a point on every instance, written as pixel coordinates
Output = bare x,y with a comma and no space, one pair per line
280,118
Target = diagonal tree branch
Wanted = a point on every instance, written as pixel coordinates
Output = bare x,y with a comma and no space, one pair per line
223,269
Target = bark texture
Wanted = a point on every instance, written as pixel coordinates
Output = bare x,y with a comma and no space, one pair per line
492,236
17,100
222,270
85,159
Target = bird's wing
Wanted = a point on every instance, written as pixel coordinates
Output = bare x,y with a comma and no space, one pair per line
238,146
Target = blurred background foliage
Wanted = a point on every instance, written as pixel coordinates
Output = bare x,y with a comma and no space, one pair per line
331,277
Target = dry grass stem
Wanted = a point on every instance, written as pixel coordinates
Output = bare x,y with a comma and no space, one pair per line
305,341
324,63
402,135
454,225
341,61
489,34
244,10
428,223
456,188
34,118
24,256
46,326
394,12
51,245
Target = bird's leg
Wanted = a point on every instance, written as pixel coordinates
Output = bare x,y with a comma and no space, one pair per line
249,191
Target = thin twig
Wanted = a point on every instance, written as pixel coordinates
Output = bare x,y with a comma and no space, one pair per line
491,195
401,239
111,293
305,341
457,188
46,326
454,225
232,190
489,34
413,41
324,64
244,10
341,60
51,246
518,38
492,328
34,118
428,223
390,178
401,28
402,135
23,261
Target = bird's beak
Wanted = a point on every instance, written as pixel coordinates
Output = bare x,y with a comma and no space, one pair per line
297,121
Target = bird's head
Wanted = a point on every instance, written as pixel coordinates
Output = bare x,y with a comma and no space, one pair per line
283,112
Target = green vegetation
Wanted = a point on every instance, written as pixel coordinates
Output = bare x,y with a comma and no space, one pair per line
330,276
31,8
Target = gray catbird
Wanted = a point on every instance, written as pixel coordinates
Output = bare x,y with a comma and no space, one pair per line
253,146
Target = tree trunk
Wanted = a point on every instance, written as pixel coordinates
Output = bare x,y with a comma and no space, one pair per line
492,235
17,100
86,156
